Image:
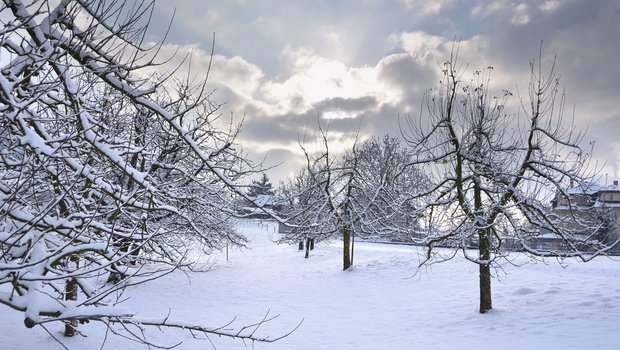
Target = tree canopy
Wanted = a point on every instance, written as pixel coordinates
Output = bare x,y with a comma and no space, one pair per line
494,171
103,168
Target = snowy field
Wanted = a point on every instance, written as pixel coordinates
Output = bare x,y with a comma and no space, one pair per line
379,304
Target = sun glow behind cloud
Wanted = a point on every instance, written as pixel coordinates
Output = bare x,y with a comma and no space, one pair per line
284,73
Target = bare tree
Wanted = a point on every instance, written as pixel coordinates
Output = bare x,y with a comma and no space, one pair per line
495,172
312,211
358,193
319,200
103,169
304,208
382,182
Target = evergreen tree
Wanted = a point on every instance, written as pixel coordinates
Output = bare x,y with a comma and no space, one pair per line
261,187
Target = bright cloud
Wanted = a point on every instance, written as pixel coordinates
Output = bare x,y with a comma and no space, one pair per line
426,7
362,64
521,16
314,79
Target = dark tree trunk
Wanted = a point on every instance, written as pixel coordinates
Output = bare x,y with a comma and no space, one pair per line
485,270
352,245
311,243
301,245
485,289
133,259
71,293
307,247
123,244
484,254
346,248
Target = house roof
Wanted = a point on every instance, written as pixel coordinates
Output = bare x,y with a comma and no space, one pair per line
596,191
589,189
604,204
610,188
593,189
266,200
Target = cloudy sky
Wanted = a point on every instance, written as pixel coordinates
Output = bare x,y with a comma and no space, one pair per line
365,64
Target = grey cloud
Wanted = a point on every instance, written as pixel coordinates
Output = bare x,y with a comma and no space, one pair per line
410,75
259,30
291,127
606,150
589,51
284,128
515,45
584,34
279,162
347,104
387,120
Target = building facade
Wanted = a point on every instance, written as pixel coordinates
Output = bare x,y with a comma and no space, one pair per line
590,212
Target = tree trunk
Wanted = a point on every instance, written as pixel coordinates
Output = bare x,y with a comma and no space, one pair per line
133,256
485,271
346,249
71,292
301,245
311,243
485,289
307,248
352,245
484,253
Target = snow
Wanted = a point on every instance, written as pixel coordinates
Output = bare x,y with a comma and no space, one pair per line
381,303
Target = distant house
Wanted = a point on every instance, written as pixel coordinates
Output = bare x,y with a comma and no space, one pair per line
584,211
266,201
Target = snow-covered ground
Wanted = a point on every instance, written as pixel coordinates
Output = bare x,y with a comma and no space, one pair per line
381,303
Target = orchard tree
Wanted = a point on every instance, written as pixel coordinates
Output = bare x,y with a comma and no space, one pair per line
208,211
102,168
362,192
494,172
382,182
319,199
304,201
